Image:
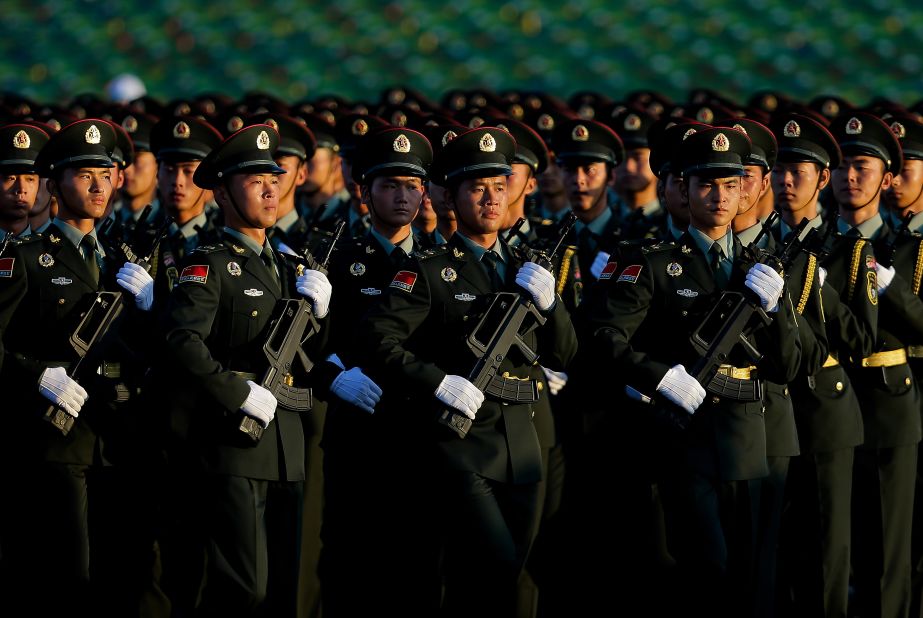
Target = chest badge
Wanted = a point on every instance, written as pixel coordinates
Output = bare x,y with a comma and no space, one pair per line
465,297
46,260
370,291
357,269
687,293
253,292
674,269
448,274
62,281
234,269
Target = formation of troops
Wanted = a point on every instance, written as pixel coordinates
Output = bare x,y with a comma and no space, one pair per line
500,355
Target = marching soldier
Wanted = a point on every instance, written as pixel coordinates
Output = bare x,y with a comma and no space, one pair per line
417,338
664,164
19,146
642,320
247,496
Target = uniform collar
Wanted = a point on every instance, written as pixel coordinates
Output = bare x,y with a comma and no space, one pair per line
245,240
748,235
41,229
406,245
867,229
675,232
76,236
785,230
478,251
648,210
598,225
916,223
188,229
704,243
285,223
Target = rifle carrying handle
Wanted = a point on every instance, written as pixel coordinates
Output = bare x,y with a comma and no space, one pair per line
459,423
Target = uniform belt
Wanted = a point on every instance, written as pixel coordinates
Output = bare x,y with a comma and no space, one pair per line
915,351
831,362
741,373
512,388
886,359
245,376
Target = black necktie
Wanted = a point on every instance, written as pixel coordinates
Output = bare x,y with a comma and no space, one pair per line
490,259
398,256
715,256
89,256
270,263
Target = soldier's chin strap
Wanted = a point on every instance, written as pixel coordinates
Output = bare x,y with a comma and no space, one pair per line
872,199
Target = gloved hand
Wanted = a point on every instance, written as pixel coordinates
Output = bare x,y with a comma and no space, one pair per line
539,283
885,276
602,258
139,283
821,275
556,380
767,284
353,386
260,404
314,285
460,394
682,389
55,385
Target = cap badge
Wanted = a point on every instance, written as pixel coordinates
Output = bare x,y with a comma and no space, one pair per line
515,111
357,269
182,109
130,124
487,143
688,133
854,126
399,119
580,133
632,122
740,127
272,123
45,260
503,127
401,144
262,140
791,129
586,112
54,124
830,109
360,127
705,115
674,269
234,269
898,130
235,124
448,274
720,143
93,136
181,130
476,122
396,96
21,140
448,137
545,122
770,102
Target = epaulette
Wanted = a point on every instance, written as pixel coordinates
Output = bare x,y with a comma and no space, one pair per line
425,254
209,248
657,246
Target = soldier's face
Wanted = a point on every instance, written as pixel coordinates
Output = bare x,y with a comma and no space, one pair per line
796,185
674,199
551,181
586,184
141,175
394,200
296,172
480,204
907,187
520,184
179,192
255,195
859,180
355,191
17,195
634,173
84,192
441,207
712,201
753,185
322,168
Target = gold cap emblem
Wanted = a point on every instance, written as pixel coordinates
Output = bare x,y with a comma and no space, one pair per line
21,140
262,140
182,109
401,144
487,143
688,133
720,143
181,130
854,126
632,122
475,122
705,115
272,123
830,108
791,129
360,127
586,112
235,124
740,127
93,135
898,129
130,124
399,119
580,133
545,122
515,111
448,137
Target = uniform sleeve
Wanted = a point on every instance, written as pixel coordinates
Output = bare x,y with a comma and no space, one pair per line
780,344
188,323
13,289
813,333
902,310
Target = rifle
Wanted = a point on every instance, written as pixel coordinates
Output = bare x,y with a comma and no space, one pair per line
502,327
91,336
886,256
6,242
294,323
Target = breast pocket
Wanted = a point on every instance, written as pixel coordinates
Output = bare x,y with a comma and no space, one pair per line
898,380
247,320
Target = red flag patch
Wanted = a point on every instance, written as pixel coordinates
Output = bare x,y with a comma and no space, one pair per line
608,271
6,267
195,274
404,280
630,274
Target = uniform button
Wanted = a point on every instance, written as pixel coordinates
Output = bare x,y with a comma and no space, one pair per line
716,399
464,318
785,391
907,381
61,301
685,313
838,387
254,313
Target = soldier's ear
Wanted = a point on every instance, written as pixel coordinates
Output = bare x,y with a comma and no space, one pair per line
51,186
684,190
366,193
886,181
301,174
823,179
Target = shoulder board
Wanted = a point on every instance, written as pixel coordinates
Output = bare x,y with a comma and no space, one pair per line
425,254
657,246
209,248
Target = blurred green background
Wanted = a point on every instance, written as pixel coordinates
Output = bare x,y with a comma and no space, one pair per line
54,49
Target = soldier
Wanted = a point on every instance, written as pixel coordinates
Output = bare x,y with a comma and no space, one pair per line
663,162
365,451
248,496
324,186
723,445
51,280
140,188
19,146
416,337
886,463
638,208
351,130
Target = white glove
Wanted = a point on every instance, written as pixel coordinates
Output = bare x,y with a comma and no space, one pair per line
333,358
139,282
885,276
682,389
539,283
314,285
821,275
602,258
460,394
284,248
55,385
353,386
767,284
260,404
556,380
